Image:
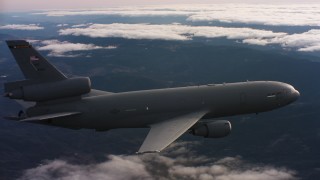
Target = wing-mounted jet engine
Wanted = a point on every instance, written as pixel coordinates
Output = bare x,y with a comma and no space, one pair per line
216,129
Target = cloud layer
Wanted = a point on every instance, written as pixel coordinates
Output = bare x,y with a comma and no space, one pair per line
276,15
307,42
29,27
306,15
167,31
184,165
61,49
129,12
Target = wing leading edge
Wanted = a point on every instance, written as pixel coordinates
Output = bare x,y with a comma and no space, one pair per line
164,133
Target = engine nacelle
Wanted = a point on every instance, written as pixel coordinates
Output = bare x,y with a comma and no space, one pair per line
52,90
216,129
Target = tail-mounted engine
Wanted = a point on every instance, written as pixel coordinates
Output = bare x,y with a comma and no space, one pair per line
25,90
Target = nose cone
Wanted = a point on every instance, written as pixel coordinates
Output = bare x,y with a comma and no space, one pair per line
291,93
295,95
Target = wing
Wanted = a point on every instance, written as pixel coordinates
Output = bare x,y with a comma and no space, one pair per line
164,133
50,116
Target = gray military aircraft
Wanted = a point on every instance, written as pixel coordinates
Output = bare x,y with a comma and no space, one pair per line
71,103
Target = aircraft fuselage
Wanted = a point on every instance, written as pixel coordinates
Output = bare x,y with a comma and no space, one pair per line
141,108
54,99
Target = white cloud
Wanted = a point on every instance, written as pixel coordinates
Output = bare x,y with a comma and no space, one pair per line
265,14
310,48
275,15
251,14
129,31
30,27
117,167
134,12
81,25
60,49
183,165
260,42
306,41
166,31
62,25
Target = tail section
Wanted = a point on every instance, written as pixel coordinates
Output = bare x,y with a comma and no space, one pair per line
32,64
43,81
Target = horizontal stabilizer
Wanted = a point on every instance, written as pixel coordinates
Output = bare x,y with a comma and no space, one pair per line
49,116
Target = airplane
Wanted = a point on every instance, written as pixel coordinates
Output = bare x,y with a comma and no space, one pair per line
56,100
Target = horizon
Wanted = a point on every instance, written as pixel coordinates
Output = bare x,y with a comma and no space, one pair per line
38,5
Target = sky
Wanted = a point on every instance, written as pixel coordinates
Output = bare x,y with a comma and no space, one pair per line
18,5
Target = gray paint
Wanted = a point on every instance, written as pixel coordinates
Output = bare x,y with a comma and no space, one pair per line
169,112
39,70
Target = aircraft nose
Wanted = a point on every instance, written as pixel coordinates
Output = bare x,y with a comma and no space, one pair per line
295,95
292,93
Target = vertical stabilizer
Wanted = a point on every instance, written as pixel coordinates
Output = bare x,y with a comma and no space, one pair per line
32,64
